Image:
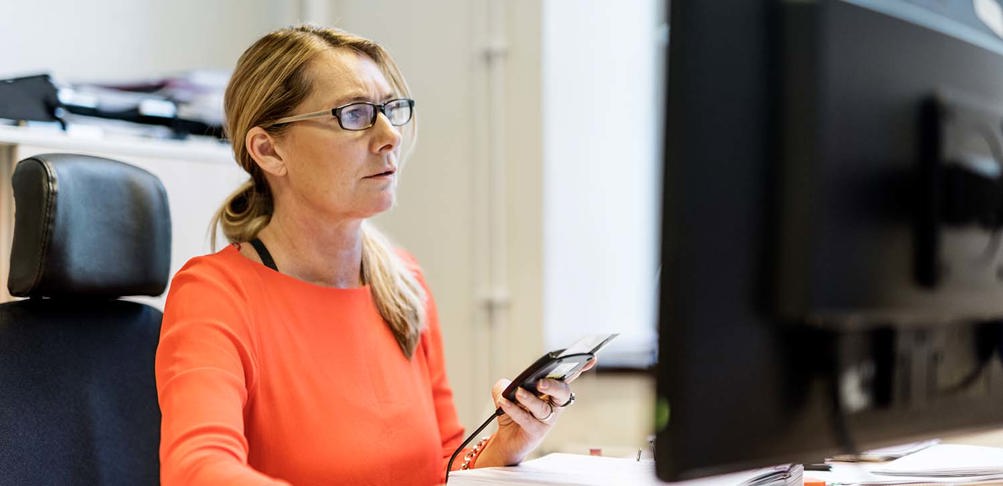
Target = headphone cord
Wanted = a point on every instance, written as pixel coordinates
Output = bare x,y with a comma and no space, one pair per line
498,413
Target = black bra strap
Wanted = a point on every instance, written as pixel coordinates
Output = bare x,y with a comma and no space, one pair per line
266,257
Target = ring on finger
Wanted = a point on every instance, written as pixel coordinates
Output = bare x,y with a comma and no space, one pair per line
549,415
571,400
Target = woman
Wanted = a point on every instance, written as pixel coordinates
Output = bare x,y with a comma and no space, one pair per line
309,350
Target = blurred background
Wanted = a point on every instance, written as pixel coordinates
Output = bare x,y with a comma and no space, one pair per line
531,200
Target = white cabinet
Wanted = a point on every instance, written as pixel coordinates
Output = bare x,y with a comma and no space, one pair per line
197,175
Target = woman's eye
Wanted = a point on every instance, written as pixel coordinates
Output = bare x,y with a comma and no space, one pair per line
355,114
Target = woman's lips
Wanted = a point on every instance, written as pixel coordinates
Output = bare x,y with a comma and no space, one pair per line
388,173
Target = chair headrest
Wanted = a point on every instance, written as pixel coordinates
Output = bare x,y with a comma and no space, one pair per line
88,226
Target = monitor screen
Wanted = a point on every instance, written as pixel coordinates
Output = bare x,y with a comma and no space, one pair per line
832,264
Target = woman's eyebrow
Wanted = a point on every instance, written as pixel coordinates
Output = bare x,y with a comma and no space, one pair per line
346,98
360,96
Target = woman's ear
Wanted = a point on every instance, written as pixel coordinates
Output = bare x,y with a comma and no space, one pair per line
262,147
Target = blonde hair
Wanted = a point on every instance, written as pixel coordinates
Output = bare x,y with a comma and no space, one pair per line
270,80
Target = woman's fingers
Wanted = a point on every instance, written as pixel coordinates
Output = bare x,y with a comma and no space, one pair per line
528,410
499,388
559,391
541,409
525,419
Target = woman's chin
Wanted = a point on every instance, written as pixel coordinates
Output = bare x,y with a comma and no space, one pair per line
381,206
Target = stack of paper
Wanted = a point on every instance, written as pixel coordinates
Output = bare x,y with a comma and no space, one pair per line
886,453
582,470
947,461
937,465
783,475
555,469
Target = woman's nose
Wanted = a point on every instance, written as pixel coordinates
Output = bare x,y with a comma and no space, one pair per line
386,136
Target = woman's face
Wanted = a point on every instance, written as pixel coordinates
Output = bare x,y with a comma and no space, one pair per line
335,172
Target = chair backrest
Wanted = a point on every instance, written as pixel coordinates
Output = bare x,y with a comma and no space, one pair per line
78,399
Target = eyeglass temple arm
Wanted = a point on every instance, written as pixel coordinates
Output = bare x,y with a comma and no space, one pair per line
305,116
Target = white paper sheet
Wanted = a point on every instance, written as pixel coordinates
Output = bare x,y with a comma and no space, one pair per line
947,460
582,470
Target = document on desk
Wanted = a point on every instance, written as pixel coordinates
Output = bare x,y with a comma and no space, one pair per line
582,470
937,465
947,460
885,454
558,469
859,475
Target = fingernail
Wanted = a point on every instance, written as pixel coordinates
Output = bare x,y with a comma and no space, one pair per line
544,384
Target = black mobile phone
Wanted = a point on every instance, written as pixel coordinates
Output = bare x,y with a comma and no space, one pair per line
559,365
551,365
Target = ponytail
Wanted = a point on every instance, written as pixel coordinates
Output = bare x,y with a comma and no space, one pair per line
399,296
243,214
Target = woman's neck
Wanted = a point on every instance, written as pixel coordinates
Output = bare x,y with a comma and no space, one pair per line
323,254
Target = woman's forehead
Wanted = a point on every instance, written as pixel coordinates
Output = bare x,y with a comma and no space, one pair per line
344,75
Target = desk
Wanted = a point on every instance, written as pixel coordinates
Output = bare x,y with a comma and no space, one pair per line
574,469
197,175
558,468
579,470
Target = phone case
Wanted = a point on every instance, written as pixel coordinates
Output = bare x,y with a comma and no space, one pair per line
551,365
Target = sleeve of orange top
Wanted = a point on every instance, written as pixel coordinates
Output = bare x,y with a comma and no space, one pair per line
450,429
205,369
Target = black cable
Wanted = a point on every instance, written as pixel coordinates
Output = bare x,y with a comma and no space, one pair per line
498,413
985,351
978,371
992,248
537,371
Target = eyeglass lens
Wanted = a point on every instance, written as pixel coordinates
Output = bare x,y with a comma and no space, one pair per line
360,116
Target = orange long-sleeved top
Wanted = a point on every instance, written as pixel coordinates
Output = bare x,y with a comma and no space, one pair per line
266,379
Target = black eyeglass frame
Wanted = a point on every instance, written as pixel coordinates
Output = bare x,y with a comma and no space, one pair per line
336,113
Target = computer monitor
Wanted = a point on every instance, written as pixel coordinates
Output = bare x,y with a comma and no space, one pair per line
832,272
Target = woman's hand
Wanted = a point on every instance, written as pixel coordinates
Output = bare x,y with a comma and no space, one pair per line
527,420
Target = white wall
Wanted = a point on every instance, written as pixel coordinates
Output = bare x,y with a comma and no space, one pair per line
100,40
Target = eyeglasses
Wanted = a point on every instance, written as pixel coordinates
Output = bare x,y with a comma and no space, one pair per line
361,114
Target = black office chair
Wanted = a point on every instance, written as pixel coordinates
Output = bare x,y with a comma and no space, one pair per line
78,400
